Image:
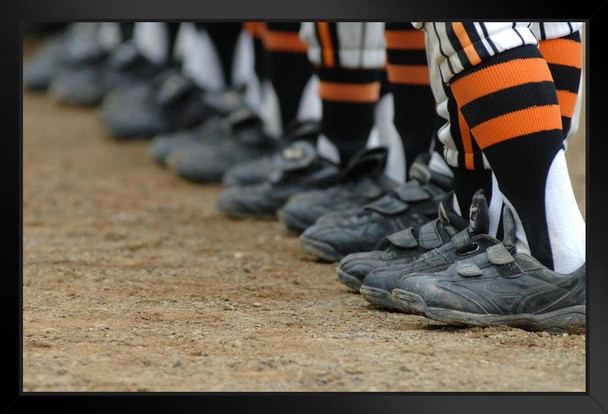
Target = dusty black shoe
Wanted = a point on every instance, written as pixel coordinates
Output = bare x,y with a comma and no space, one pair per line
215,129
409,205
44,64
207,161
361,182
498,287
257,171
379,283
75,45
301,169
405,246
172,103
80,82
164,144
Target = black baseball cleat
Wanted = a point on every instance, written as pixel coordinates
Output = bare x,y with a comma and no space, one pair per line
409,205
301,168
80,82
44,64
258,170
498,287
215,129
379,284
361,182
405,246
73,46
207,161
171,102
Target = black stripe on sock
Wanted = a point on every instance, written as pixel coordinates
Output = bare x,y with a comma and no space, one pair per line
403,26
567,78
406,57
349,75
509,100
284,26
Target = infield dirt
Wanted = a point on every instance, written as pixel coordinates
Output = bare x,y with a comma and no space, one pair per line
133,282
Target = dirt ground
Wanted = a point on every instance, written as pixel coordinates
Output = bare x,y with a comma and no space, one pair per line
133,282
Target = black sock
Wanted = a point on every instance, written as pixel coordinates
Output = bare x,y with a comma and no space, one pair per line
224,36
349,98
288,66
410,84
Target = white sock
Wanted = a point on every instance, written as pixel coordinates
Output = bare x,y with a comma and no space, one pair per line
564,220
109,35
151,39
438,164
327,149
310,102
184,41
270,111
203,64
495,208
388,136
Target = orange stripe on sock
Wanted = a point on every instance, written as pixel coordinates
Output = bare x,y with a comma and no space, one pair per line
497,77
567,102
409,74
277,41
466,43
326,46
255,29
518,123
467,144
404,39
562,52
349,92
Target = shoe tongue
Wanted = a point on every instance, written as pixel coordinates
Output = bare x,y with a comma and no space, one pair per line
479,218
447,214
421,172
370,162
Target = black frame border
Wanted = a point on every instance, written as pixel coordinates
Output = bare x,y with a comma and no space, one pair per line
594,13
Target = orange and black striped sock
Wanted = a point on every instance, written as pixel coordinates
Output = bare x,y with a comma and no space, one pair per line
349,98
408,75
256,30
510,104
288,66
565,58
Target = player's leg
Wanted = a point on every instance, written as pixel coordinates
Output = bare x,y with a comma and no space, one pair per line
408,75
564,55
349,73
507,95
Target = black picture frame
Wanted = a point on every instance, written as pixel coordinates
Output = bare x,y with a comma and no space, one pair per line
14,12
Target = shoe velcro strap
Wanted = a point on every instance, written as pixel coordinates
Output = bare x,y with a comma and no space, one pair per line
241,117
229,103
388,205
499,255
412,192
125,57
429,236
404,239
173,89
467,268
462,239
